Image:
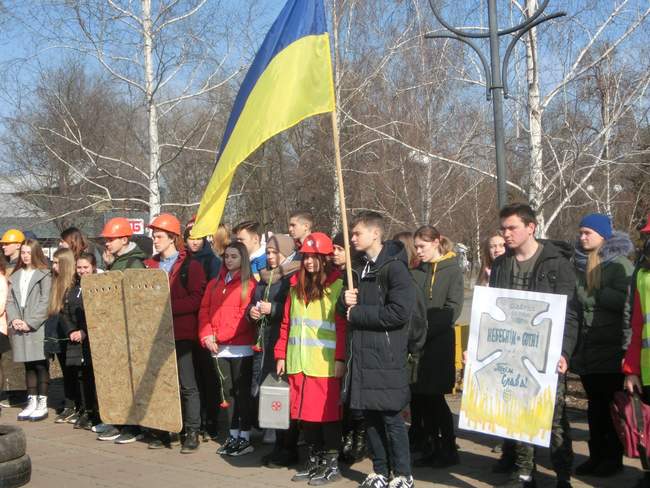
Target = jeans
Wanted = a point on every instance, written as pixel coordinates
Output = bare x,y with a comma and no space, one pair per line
389,442
190,399
561,444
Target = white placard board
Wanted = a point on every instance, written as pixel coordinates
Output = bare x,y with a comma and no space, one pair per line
515,343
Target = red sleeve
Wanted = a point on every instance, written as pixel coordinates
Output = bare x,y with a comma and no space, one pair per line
205,321
341,325
191,302
280,350
632,361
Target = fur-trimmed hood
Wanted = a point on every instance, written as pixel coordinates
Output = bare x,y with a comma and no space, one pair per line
617,245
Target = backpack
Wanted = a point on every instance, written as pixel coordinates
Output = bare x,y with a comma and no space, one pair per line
417,325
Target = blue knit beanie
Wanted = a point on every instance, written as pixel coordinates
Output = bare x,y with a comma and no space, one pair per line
598,222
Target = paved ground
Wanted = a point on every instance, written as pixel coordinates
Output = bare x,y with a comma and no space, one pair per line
67,458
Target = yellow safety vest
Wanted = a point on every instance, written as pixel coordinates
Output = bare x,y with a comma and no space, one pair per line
312,334
643,288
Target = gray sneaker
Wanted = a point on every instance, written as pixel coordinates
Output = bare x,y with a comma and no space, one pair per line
110,434
242,447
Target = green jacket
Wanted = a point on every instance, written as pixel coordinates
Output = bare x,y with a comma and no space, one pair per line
601,311
132,259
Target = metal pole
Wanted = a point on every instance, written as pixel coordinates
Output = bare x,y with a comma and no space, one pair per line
496,89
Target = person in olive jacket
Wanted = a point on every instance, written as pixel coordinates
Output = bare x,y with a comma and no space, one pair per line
441,280
603,276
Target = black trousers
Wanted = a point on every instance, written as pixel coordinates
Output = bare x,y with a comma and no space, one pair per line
85,384
190,398
71,390
236,377
208,383
604,444
323,436
37,377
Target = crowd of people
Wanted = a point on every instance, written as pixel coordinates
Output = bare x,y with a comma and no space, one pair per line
247,304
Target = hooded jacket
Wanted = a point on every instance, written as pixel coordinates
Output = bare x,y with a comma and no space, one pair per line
442,285
133,258
377,374
186,301
553,273
601,310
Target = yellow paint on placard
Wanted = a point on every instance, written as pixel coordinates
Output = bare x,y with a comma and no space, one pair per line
488,410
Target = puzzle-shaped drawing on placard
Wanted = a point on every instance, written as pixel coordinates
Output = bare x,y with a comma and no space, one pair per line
517,338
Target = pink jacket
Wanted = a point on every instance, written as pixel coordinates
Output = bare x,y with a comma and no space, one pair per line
4,291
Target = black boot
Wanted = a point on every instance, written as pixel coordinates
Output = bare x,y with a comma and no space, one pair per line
191,442
359,446
311,466
346,448
430,456
590,464
448,455
327,472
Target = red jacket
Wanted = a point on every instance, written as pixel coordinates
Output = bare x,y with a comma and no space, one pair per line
632,361
185,302
223,312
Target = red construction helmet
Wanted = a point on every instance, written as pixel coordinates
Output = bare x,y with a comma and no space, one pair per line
117,227
317,243
166,222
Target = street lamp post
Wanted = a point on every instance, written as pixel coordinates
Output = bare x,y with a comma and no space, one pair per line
496,75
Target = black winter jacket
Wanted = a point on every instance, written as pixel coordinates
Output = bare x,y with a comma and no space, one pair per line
210,262
377,374
444,297
553,273
278,290
73,318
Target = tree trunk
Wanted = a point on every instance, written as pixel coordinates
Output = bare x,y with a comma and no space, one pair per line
536,171
154,146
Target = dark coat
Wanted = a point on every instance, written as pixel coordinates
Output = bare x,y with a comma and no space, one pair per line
277,295
601,311
378,375
210,262
186,301
73,318
553,273
55,341
442,285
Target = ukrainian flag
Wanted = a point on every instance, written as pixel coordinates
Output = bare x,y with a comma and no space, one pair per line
289,80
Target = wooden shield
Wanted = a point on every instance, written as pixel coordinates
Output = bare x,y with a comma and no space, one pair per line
132,342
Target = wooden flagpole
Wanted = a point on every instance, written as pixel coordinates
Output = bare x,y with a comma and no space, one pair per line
344,215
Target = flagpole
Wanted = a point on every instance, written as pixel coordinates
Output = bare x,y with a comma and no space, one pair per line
344,214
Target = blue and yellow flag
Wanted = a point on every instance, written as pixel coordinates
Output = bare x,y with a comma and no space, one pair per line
289,80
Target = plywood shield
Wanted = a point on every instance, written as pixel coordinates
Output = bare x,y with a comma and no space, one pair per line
132,341
156,391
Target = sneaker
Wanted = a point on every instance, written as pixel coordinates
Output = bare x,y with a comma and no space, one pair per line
191,443
83,422
226,446
401,482
100,428
517,482
127,437
74,417
160,441
65,415
374,480
109,434
242,447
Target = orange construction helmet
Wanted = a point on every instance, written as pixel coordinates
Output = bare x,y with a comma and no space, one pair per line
117,227
13,236
317,243
166,222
